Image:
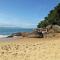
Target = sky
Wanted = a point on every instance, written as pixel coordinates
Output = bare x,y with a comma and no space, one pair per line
24,13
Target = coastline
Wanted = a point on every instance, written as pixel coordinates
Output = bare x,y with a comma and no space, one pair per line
4,36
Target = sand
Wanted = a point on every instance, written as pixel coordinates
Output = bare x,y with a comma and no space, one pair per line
18,48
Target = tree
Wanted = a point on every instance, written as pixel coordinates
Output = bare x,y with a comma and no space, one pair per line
52,18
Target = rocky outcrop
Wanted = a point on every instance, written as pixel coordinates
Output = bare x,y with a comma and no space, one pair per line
36,35
49,27
15,34
10,36
25,34
53,28
56,28
33,34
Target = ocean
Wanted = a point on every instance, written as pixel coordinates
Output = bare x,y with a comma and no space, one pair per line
5,31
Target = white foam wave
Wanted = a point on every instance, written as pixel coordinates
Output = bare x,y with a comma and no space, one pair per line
3,36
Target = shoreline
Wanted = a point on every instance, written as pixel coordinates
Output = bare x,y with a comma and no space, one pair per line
4,36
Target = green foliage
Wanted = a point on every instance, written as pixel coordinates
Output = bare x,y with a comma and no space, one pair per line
52,18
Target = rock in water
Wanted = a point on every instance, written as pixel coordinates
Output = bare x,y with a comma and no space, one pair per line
17,34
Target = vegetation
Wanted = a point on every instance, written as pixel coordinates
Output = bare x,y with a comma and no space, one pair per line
52,18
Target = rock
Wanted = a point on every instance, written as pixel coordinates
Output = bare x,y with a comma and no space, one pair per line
10,36
49,27
56,28
17,34
14,34
36,35
33,34
25,34
43,30
53,28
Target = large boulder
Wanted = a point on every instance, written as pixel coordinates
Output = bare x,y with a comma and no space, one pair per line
36,35
49,27
53,28
25,34
56,28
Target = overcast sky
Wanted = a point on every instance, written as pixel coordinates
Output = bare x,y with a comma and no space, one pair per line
24,13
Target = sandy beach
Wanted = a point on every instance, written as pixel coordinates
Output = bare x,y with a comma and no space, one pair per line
19,48
29,29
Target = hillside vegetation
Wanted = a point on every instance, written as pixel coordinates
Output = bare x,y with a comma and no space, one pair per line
53,18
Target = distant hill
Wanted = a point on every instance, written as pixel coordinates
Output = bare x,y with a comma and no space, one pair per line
53,18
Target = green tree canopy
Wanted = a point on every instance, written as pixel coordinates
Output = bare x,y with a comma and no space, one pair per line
52,18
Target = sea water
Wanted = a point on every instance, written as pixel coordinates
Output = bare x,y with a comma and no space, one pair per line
5,31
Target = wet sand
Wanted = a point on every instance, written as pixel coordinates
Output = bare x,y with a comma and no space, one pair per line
19,48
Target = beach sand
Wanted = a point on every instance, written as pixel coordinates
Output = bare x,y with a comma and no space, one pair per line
19,48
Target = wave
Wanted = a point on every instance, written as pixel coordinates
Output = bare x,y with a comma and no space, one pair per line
3,36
